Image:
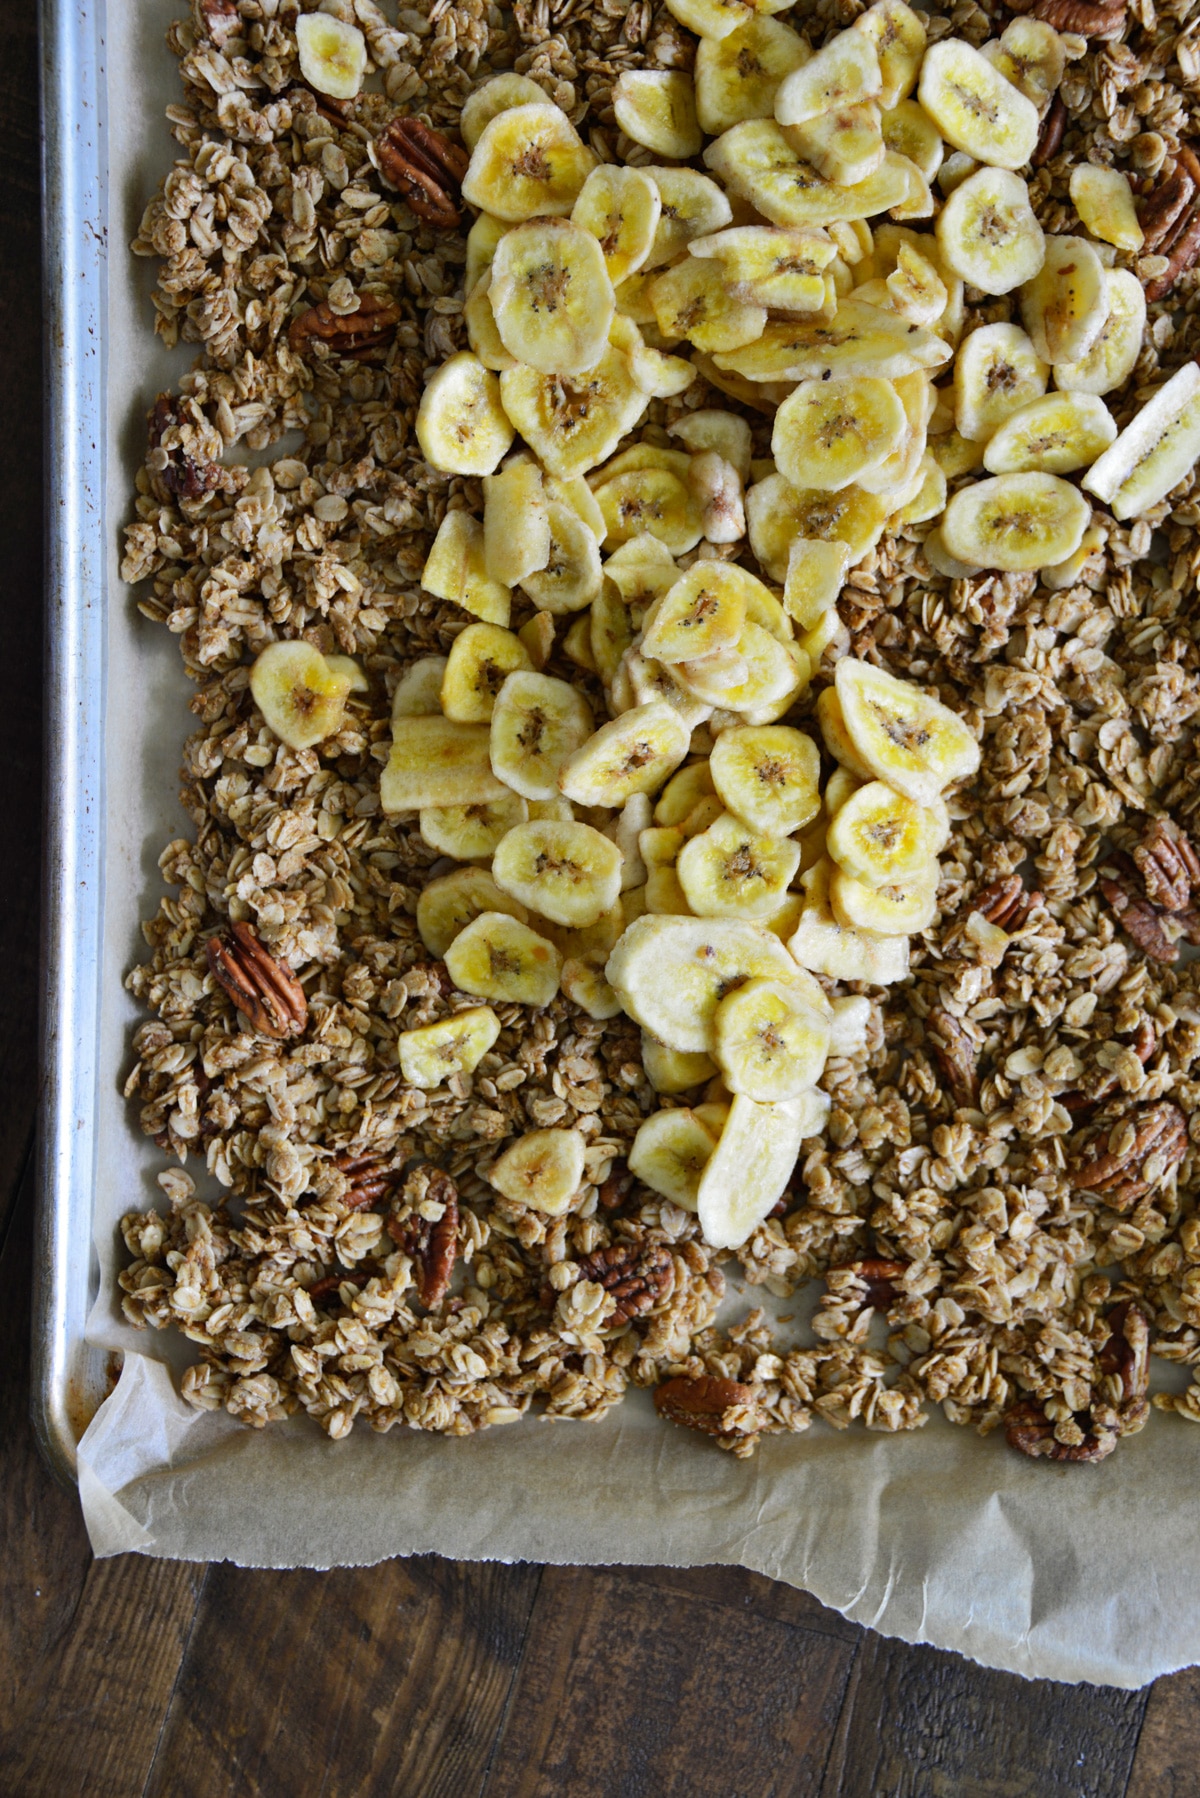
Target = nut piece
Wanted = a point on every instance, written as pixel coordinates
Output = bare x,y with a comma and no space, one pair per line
1126,1354
1028,1429
432,1243
186,476
955,1050
426,168
639,1276
869,1284
702,1403
369,1179
1080,16
221,19
355,334
262,989
1051,134
1005,902
1168,864
1128,1159
1120,882
1170,218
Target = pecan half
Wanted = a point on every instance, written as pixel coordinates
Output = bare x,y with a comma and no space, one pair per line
1120,882
357,334
1170,218
185,476
637,1275
221,20
1163,207
616,1189
1121,1175
355,1276
955,1050
1180,258
1028,1429
426,168
1005,902
1080,16
432,1243
1051,134
1127,1351
877,1279
263,989
369,1179
701,1404
1082,1102
1168,865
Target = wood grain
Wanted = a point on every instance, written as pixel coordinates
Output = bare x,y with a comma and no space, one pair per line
633,1685
1167,1762
918,1722
358,1681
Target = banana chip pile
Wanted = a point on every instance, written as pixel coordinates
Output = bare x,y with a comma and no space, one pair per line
682,719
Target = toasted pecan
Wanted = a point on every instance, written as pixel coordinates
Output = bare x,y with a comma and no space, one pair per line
264,990
426,168
702,1403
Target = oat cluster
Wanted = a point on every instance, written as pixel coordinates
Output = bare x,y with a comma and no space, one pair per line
1005,1188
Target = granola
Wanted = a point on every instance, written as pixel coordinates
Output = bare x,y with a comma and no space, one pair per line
1001,1210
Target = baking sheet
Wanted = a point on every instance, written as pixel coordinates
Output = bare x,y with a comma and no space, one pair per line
1061,1571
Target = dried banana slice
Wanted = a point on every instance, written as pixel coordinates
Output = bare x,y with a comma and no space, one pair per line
845,146
692,206
482,239
752,1164
901,735
516,526
529,162
651,682
671,972
568,873
1016,521
899,908
716,487
333,54
996,372
703,612
899,39
583,983
300,696
451,902
669,1154
926,502
1065,305
768,775
757,162
837,737
718,19
573,422
845,72
537,634
642,570
682,793
816,572
1113,355
830,432
572,576
537,722
692,301
657,108
495,956
435,761
633,754
453,1045
858,340
1031,55
1053,435
543,1169
880,837
462,426
827,947
551,296
471,832
909,131
1104,201
733,871
737,76
987,231
674,1070
1157,449
770,1044
481,659
650,501
783,270
482,335
498,95
659,377
620,208
777,513
456,569
419,690
975,108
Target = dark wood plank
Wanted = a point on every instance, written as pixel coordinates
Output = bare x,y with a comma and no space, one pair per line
387,1679
919,1722
767,1598
21,535
1167,1762
631,1686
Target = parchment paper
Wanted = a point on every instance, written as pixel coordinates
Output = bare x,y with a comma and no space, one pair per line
1060,1571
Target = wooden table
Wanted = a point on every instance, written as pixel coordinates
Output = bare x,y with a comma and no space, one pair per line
421,1678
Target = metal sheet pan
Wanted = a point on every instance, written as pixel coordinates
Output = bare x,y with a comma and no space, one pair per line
68,1377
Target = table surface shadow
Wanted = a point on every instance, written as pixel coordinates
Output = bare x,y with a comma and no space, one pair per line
133,1677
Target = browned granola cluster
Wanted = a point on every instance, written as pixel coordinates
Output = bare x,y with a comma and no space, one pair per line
1002,1214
